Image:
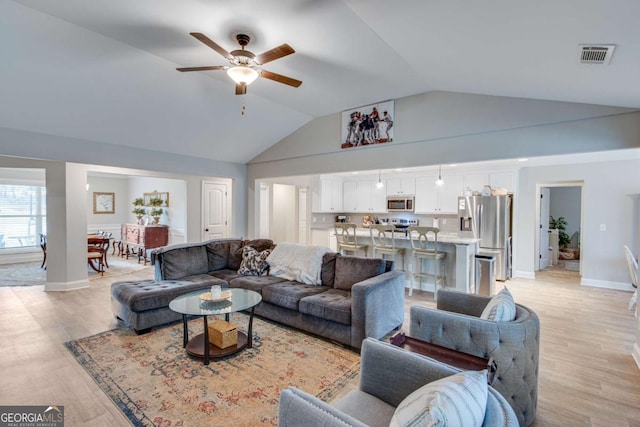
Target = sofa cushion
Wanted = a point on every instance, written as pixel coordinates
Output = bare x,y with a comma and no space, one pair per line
218,254
235,254
225,274
501,308
254,263
259,244
185,261
328,271
288,294
457,400
351,270
144,295
334,305
253,283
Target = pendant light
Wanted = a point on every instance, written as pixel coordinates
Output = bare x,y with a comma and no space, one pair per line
379,184
440,181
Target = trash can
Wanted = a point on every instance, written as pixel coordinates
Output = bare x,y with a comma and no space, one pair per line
485,277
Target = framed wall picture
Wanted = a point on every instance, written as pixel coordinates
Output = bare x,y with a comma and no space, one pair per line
367,125
104,203
164,196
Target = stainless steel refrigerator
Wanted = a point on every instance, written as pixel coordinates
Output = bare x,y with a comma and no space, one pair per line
488,218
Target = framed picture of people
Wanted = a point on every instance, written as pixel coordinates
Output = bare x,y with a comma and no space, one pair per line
367,125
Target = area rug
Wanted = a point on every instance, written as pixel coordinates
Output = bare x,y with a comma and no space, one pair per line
30,273
155,383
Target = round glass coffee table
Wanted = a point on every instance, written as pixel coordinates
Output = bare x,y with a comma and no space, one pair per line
191,304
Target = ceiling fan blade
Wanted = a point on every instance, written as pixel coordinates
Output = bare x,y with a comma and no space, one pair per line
275,53
280,78
213,45
241,89
212,67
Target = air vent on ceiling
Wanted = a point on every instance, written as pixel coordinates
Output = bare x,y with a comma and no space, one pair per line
596,53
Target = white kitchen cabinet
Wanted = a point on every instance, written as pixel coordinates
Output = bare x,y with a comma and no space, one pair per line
502,180
349,196
364,196
326,195
401,186
433,199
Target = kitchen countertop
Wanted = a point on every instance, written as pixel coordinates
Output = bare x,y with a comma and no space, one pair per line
443,237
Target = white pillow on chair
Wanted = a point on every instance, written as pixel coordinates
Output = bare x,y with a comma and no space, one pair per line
459,400
501,308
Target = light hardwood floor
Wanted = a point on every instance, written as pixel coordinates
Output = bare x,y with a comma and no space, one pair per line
587,374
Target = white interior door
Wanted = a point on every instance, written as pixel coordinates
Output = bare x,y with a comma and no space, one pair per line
265,211
303,214
215,210
544,228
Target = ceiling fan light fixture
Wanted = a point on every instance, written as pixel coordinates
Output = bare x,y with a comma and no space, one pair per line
242,74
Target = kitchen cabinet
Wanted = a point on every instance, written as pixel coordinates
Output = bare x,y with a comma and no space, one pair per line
401,186
364,196
326,195
433,199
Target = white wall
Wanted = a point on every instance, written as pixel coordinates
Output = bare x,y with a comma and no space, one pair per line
606,201
108,222
565,202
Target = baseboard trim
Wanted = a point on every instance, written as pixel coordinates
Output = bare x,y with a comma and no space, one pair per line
606,284
524,274
66,286
636,354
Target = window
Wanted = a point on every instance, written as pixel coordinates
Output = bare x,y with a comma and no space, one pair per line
23,215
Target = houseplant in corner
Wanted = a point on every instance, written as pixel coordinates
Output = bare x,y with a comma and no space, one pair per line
561,224
138,209
156,210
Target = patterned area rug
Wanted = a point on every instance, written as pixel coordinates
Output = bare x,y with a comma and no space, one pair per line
155,383
30,273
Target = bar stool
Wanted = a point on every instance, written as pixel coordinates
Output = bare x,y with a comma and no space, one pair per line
424,245
384,241
347,240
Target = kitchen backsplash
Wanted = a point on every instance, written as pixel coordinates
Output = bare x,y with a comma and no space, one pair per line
446,223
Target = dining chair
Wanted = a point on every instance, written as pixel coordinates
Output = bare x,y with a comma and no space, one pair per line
43,246
424,247
384,241
346,238
95,258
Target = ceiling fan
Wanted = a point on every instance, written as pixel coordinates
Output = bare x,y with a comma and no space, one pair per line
245,66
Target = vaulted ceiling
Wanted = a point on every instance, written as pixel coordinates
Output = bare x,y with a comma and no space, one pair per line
106,71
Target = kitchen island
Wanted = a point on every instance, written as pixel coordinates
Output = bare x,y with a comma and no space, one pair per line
460,259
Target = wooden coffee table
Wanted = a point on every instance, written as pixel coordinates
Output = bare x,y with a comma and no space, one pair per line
192,305
446,355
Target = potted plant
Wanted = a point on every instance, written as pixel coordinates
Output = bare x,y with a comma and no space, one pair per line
156,210
138,209
561,224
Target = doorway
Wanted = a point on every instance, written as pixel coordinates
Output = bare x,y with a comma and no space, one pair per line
283,212
559,241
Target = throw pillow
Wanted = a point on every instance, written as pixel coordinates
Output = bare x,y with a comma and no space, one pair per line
351,270
253,263
457,400
501,308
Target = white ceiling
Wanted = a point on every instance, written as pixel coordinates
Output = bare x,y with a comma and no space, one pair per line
105,71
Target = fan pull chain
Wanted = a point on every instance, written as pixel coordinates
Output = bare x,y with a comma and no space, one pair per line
243,109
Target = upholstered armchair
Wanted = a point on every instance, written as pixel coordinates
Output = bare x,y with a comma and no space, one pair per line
514,345
388,374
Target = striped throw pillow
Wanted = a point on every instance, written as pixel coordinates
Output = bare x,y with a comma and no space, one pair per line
501,308
459,400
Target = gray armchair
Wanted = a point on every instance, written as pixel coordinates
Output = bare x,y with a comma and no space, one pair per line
514,346
387,375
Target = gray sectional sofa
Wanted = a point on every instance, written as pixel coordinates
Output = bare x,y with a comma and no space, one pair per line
370,305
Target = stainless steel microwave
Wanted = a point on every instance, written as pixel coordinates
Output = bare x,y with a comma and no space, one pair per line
399,204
